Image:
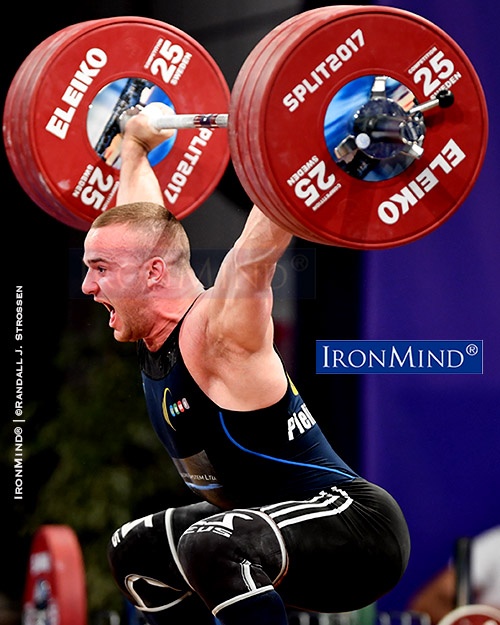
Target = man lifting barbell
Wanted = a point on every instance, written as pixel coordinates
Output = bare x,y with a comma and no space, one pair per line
283,520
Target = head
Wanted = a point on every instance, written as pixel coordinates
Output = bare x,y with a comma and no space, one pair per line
135,254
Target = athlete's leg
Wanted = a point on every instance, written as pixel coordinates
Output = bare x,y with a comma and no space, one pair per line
347,547
234,560
143,558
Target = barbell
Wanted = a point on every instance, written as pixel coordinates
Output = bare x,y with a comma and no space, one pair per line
362,127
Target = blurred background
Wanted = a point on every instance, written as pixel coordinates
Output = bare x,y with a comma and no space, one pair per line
90,458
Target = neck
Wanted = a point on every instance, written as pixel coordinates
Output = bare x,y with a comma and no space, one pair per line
167,318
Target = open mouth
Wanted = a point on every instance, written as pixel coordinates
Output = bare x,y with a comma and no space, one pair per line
112,312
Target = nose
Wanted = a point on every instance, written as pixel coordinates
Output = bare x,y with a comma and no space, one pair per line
89,285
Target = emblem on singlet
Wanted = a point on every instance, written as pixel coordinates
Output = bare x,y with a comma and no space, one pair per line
172,408
164,408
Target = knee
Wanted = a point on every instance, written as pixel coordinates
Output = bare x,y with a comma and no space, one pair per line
143,563
231,554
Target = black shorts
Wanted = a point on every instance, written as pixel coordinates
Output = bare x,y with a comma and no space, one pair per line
346,547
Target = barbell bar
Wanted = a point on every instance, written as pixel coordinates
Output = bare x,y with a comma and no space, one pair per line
383,127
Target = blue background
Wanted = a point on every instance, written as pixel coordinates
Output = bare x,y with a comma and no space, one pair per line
433,441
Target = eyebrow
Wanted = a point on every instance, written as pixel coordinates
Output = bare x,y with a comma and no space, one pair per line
94,261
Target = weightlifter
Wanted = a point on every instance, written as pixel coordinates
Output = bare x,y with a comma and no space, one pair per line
282,520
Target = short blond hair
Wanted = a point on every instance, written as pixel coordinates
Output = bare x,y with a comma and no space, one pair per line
160,232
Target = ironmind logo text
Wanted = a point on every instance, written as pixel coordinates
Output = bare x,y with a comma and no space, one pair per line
341,357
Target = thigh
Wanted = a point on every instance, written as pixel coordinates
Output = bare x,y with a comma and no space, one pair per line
346,547
134,549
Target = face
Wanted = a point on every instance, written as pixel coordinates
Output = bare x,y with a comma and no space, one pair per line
117,277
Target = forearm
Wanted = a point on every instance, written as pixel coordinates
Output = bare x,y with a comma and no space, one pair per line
138,182
249,267
262,242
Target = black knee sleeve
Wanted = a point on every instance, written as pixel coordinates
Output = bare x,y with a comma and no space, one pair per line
232,555
143,560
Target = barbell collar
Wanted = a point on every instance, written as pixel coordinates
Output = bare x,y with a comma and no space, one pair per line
444,99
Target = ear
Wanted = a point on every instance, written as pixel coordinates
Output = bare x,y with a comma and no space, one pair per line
156,270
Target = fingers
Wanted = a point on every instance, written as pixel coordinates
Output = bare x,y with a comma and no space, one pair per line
155,112
139,125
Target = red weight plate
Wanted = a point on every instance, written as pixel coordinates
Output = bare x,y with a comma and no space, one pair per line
239,108
241,131
255,142
109,65
245,139
300,26
289,116
238,112
55,590
308,234
15,135
16,144
472,615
